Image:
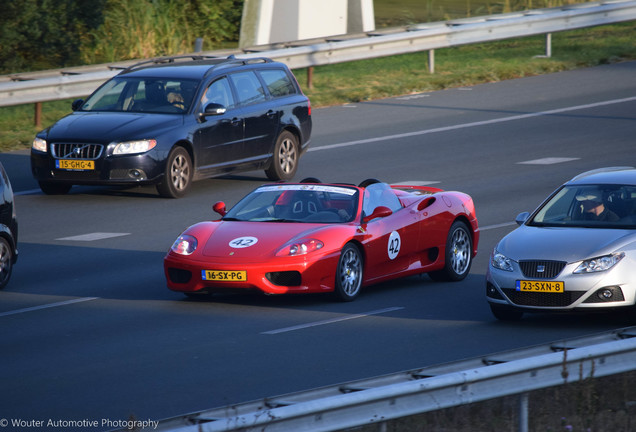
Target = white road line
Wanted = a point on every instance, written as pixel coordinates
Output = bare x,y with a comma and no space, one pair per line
473,124
417,183
47,306
331,321
501,225
28,192
548,161
93,236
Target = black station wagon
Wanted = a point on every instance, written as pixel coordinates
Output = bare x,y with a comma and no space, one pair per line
171,121
8,229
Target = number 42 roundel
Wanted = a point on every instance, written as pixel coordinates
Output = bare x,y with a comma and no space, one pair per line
394,245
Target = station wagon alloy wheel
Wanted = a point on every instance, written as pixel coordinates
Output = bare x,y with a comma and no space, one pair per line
6,262
285,160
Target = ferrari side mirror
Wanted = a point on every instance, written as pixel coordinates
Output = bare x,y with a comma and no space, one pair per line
220,208
378,212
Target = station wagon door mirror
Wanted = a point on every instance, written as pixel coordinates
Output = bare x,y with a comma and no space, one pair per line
522,217
213,109
219,207
77,104
378,212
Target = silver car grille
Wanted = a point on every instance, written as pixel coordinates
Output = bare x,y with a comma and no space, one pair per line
76,150
541,269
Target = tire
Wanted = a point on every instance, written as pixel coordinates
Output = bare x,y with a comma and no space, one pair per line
505,312
458,256
349,273
54,188
178,175
285,159
6,262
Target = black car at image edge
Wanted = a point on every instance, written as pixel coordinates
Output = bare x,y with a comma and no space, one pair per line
8,229
173,120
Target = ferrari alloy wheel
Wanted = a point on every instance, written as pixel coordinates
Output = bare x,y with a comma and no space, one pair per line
178,175
284,162
349,273
6,262
458,257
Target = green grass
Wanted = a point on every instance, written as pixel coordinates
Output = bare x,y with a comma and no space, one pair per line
405,74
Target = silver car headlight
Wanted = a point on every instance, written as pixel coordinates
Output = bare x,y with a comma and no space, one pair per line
599,264
132,147
500,261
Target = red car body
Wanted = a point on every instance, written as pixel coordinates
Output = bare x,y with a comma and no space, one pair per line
385,232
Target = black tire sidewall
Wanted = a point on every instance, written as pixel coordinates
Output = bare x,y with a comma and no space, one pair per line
275,171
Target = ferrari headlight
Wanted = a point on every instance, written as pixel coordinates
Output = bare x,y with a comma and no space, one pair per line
500,261
39,144
132,147
184,245
301,248
599,264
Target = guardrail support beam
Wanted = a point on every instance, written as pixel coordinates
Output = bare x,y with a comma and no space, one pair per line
548,45
431,61
37,116
523,412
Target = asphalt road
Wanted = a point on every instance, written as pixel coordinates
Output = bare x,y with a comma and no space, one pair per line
89,331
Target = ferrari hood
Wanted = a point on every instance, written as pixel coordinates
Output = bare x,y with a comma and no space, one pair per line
563,244
253,239
109,127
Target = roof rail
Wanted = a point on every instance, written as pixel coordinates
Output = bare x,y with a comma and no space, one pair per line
601,170
168,59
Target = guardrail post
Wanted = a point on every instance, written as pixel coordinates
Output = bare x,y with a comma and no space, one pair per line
310,77
431,61
548,45
37,116
523,412
198,44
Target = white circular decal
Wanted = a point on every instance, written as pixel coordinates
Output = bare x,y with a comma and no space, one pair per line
394,244
243,242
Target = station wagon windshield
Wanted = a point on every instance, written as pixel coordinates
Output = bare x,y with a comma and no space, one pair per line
147,95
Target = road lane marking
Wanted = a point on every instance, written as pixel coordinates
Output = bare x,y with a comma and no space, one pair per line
501,225
93,236
473,124
416,183
331,321
28,192
548,161
47,306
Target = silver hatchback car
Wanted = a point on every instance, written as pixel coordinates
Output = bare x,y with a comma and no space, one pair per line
576,251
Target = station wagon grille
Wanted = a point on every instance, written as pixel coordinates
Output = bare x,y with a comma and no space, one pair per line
542,299
541,269
76,150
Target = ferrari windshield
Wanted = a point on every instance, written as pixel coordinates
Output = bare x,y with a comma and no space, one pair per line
311,203
149,95
593,206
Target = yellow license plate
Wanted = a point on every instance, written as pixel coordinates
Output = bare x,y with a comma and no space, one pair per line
75,164
224,275
540,286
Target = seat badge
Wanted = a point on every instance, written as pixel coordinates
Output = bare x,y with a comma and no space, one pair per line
540,268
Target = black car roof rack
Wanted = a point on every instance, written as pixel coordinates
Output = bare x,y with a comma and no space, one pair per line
169,59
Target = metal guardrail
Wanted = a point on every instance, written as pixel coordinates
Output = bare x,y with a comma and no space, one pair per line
377,400
68,83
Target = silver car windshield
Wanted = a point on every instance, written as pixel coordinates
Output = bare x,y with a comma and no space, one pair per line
590,206
147,95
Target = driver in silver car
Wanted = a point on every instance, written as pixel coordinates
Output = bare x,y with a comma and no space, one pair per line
594,209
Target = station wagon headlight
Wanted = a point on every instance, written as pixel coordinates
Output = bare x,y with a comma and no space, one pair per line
599,264
132,147
500,261
184,245
39,144
301,248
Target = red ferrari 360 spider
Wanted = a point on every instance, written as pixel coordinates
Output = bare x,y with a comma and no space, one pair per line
315,237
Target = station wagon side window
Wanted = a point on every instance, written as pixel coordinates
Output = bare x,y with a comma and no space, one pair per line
248,88
278,82
219,92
